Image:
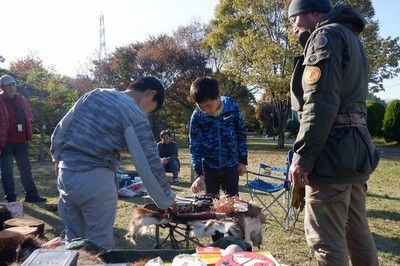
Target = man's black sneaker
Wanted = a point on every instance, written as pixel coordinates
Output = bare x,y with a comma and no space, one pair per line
35,199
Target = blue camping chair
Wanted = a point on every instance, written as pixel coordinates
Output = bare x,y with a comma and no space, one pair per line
271,187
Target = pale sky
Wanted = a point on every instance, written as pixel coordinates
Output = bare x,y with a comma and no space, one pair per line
65,33
387,12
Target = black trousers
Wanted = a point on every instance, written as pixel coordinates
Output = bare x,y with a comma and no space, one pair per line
225,179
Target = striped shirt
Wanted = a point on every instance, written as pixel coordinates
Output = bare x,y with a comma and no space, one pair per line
100,125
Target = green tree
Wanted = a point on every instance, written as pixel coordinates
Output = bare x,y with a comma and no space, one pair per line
82,83
30,71
242,95
254,46
118,69
253,42
375,114
383,52
50,94
373,98
176,60
391,122
56,94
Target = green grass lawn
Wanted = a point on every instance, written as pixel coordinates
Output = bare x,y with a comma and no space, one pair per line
383,204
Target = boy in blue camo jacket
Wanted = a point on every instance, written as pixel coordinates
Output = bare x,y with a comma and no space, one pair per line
218,145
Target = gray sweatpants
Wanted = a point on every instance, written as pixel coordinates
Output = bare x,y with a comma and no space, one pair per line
88,205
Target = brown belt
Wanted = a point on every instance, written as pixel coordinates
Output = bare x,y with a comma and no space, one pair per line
349,120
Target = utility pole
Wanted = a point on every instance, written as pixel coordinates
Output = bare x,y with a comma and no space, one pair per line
102,40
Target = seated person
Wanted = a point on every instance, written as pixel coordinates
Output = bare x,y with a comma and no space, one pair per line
168,151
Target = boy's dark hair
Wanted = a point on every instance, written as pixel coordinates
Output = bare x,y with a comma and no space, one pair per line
203,89
150,83
166,132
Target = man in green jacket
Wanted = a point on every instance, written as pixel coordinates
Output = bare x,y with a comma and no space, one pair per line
334,154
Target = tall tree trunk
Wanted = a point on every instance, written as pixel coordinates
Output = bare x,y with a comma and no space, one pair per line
42,133
283,112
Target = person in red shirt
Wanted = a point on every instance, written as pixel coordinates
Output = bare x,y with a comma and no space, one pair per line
15,132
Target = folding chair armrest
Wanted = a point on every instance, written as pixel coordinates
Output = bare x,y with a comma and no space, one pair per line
265,176
278,169
271,168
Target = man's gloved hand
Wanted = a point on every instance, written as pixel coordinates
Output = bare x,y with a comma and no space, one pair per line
298,195
298,177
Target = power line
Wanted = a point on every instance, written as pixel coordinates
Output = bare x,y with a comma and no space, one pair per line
102,40
392,85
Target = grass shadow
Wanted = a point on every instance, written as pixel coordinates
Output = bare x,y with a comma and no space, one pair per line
389,245
54,226
385,196
387,215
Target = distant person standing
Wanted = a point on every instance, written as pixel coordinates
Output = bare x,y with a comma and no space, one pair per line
168,151
15,132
